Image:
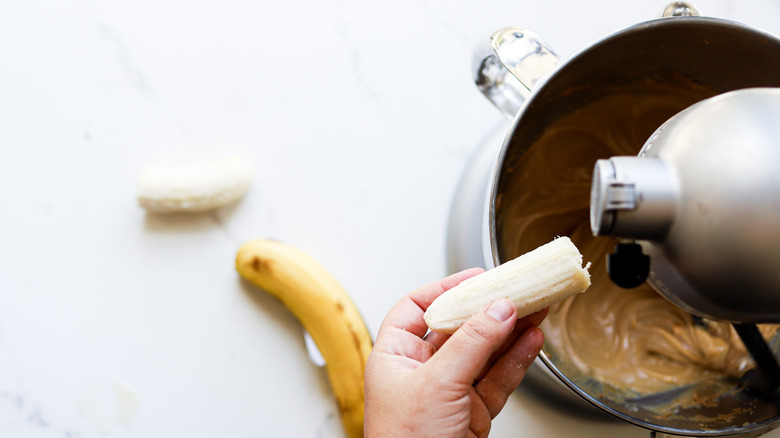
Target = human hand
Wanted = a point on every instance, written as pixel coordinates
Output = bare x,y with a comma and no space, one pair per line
438,385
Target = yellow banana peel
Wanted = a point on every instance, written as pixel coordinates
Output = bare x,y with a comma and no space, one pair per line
324,309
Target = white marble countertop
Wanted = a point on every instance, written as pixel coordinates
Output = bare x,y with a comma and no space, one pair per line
359,117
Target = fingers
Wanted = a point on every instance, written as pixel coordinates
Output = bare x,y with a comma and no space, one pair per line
407,314
461,359
436,339
481,421
504,376
522,324
534,319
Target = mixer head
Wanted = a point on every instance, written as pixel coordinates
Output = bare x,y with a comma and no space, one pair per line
702,200
699,214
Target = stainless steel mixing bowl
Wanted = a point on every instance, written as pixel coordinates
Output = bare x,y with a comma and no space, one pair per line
697,57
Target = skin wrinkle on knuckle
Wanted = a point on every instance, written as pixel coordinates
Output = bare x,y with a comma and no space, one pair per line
426,350
480,332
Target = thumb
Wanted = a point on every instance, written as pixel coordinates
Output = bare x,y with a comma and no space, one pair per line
464,355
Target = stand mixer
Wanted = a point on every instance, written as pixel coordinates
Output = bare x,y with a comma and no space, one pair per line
694,211
698,210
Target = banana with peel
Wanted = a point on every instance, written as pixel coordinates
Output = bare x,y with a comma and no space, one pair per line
533,281
324,309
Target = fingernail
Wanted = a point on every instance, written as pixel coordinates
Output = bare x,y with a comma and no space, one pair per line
500,309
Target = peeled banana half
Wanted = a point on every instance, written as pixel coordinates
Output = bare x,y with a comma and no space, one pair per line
324,309
533,281
194,187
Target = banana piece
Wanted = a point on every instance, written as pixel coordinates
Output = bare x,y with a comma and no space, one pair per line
195,187
533,281
325,311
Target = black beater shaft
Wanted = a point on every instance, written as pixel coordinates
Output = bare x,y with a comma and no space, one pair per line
767,378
